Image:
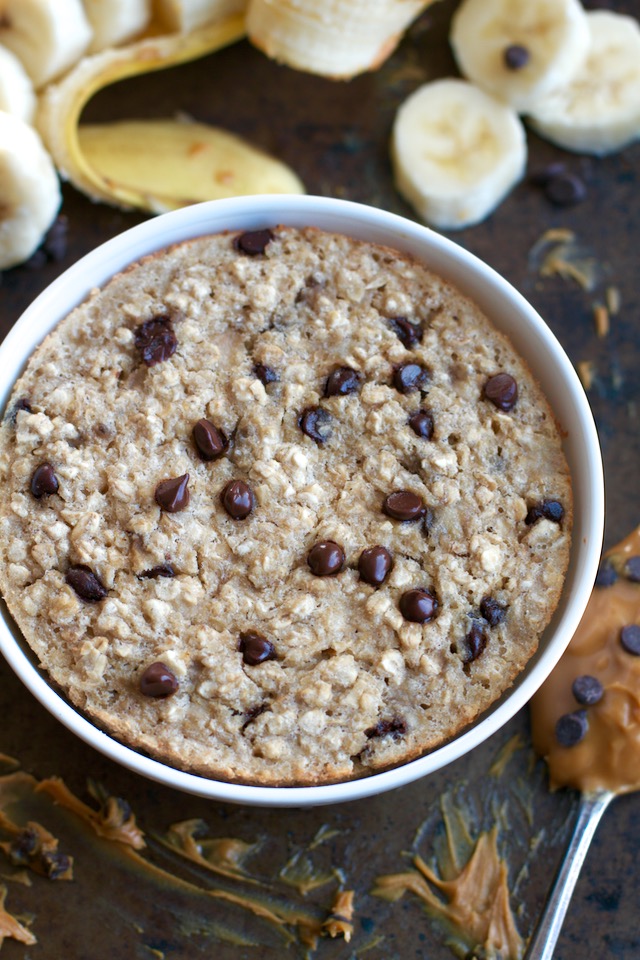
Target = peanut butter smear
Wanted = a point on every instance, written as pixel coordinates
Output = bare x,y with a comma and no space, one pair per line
608,755
476,901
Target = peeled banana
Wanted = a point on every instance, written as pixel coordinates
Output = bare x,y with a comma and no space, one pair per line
184,16
114,22
597,110
16,90
29,191
335,38
456,152
48,36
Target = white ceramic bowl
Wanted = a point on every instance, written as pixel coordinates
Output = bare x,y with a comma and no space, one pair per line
508,310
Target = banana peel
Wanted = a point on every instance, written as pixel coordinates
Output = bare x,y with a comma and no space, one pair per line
152,165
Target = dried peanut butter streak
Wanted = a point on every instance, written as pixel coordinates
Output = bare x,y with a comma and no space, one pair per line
607,754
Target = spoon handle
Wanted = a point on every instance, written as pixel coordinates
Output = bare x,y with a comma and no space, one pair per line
590,810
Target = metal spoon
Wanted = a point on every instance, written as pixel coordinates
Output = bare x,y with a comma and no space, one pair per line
590,810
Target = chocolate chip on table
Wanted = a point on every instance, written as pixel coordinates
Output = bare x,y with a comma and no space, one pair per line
162,570
540,178
516,56
404,505
409,377
156,340
44,481
315,422
255,648
492,611
606,575
630,639
55,864
237,499
211,442
421,422
326,558
86,583
384,728
172,495
502,391
632,569
565,190
408,333
158,681
587,690
418,605
56,238
547,509
254,242
571,728
374,565
265,374
474,643
341,382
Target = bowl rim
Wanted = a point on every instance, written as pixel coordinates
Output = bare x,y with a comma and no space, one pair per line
480,282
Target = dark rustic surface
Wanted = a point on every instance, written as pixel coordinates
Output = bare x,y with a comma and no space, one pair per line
335,135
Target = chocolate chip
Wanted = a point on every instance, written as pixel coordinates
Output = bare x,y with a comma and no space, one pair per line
587,690
474,643
606,575
23,847
632,569
395,728
156,340
421,422
492,611
55,865
516,56
540,178
502,391
253,242
252,714
237,499
565,190
55,241
22,403
326,558
418,605
162,570
571,728
404,505
342,381
408,333
211,442
409,377
547,509
44,481
630,639
265,374
255,648
158,681
172,495
86,583
375,565
314,421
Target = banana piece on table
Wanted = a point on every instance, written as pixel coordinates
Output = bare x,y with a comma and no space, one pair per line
186,15
519,49
114,22
16,90
456,152
123,164
29,191
598,109
48,36
334,38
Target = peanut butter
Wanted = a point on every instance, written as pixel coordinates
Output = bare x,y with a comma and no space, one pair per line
608,756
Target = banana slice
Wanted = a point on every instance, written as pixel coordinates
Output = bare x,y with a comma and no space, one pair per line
29,191
16,90
187,15
48,36
191,162
114,22
152,166
456,152
519,49
334,38
598,110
